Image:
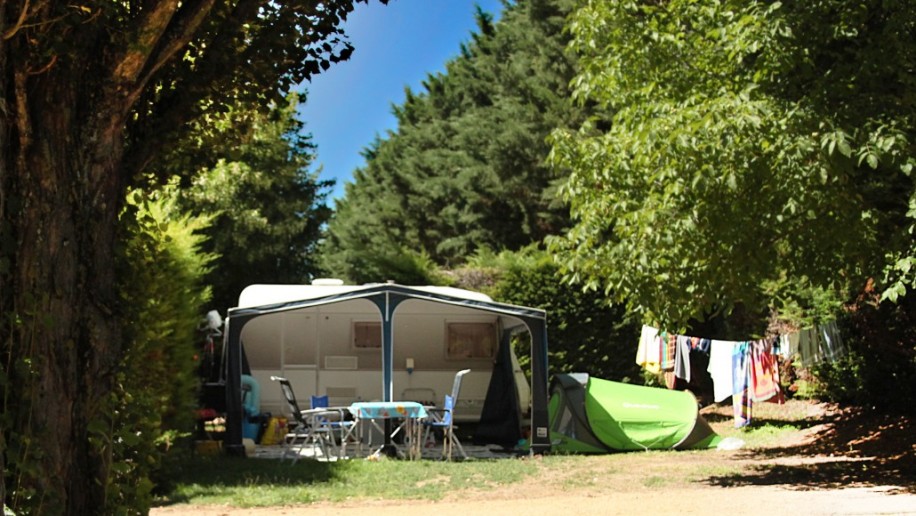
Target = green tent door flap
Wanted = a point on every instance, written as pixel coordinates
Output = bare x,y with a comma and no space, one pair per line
591,415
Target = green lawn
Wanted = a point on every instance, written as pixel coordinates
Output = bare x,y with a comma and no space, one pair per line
244,482
241,482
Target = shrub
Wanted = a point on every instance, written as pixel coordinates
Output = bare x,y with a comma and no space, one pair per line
153,403
585,333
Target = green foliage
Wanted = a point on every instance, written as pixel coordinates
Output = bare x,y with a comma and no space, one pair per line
748,148
465,168
881,367
91,94
585,332
267,208
155,395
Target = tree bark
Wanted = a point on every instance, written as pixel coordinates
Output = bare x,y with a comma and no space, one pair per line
76,83
66,346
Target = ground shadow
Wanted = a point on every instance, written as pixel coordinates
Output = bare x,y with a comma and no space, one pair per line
220,471
850,447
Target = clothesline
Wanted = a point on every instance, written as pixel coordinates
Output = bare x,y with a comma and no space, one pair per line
748,370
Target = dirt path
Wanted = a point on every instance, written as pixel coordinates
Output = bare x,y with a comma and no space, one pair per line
739,500
843,462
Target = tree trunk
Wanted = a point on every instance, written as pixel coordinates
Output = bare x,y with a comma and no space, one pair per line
61,288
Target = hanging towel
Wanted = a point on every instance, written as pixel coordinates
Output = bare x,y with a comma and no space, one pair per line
720,368
793,352
682,358
669,346
781,346
741,398
831,341
763,376
648,353
810,347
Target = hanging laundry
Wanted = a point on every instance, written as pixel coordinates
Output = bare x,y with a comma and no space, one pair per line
669,347
682,358
763,372
794,349
703,345
781,346
648,354
670,380
746,371
831,341
721,368
809,348
742,403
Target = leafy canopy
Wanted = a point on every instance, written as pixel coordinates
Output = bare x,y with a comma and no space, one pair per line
750,151
267,206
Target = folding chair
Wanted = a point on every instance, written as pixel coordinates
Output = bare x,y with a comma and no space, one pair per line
443,420
302,433
337,425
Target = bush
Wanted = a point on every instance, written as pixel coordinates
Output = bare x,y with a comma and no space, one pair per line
585,333
152,407
880,369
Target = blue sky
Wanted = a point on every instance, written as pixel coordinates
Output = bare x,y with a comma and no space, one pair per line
397,45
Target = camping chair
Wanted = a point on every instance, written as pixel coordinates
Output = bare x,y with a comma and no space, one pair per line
443,420
302,433
334,422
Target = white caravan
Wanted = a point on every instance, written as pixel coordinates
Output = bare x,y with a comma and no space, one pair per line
334,347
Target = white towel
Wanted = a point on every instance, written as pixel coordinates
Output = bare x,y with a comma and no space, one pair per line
720,368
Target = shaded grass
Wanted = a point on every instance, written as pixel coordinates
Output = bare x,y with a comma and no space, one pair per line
244,482
865,449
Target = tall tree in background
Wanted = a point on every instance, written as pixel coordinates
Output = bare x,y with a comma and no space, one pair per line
586,333
90,93
267,207
465,168
757,150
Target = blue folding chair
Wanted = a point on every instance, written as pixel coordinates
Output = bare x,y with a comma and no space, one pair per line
443,420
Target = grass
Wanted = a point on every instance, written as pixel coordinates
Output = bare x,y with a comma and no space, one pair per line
243,482
240,482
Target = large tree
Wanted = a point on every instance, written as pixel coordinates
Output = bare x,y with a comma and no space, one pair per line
752,152
90,93
267,206
465,168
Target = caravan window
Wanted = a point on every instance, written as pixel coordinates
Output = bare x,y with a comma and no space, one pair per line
367,335
471,340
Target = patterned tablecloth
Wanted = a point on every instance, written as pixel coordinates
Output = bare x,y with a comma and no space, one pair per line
388,410
408,412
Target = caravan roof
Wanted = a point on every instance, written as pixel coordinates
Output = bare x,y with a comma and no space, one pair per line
261,295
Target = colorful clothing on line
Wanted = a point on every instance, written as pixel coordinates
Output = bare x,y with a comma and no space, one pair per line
669,347
763,373
648,353
742,403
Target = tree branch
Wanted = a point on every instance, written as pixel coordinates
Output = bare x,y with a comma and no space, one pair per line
149,28
23,14
179,34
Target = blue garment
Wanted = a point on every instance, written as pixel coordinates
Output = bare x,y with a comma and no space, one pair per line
741,399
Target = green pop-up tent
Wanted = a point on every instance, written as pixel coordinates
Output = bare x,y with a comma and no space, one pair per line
590,415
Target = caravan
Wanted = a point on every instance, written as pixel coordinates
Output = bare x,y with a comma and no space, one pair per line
390,342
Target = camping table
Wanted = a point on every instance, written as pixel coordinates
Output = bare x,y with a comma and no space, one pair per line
410,413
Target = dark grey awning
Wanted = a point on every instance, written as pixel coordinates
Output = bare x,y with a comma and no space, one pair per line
387,297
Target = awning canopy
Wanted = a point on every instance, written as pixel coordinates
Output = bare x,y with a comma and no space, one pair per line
387,297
